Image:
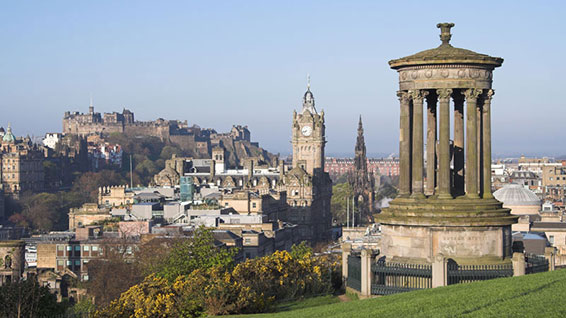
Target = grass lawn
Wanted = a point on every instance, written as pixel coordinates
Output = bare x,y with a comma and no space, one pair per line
536,295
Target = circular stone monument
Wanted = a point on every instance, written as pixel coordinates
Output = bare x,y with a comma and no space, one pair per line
451,212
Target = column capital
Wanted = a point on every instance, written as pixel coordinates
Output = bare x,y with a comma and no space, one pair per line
488,94
444,93
418,94
472,93
403,96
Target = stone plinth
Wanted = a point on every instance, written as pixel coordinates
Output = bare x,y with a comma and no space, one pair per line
470,231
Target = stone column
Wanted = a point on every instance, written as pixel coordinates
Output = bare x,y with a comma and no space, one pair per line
418,153
471,143
487,145
439,271
519,264
366,272
479,143
549,254
404,146
444,143
346,251
458,143
431,144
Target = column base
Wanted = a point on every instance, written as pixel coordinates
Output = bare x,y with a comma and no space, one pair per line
488,195
418,196
471,196
445,196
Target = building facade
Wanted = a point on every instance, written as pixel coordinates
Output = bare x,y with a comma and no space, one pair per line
337,167
21,165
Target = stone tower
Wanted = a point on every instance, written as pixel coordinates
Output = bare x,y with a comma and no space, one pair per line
218,156
361,180
308,137
457,217
309,188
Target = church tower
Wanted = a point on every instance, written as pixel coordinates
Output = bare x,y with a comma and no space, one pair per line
308,136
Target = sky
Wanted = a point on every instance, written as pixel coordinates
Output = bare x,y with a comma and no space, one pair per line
220,63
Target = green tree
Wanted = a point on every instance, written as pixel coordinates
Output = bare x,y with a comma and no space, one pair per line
340,194
196,252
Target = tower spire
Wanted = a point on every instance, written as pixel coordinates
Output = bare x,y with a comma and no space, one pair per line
308,82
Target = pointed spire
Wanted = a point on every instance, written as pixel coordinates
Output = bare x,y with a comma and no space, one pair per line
308,82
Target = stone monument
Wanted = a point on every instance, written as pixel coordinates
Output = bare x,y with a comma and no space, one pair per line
452,212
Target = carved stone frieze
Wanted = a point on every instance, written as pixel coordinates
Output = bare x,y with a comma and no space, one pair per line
453,76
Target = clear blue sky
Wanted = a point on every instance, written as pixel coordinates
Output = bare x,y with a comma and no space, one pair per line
218,63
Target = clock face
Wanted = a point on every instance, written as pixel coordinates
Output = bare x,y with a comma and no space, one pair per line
307,131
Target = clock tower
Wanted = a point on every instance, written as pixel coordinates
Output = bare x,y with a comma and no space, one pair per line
308,136
308,187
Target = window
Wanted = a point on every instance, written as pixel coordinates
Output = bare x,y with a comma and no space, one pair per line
551,239
86,248
95,248
253,205
247,241
60,248
77,262
77,248
60,263
85,278
69,263
69,248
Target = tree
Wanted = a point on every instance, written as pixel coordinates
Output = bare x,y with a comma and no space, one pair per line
28,299
338,204
113,275
196,252
88,183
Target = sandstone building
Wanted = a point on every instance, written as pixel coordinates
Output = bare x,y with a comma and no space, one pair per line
21,164
304,186
193,139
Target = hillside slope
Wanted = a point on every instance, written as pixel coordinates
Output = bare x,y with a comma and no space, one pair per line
536,295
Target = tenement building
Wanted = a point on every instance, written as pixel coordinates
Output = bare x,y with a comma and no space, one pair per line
337,167
21,165
457,217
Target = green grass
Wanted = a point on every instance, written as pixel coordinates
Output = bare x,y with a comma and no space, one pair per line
536,295
307,303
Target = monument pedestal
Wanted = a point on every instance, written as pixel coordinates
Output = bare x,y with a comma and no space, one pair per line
469,231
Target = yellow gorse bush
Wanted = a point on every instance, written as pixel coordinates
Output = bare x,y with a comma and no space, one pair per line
252,286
